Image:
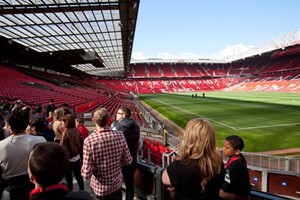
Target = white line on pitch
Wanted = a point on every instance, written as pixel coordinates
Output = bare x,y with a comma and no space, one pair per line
269,126
195,114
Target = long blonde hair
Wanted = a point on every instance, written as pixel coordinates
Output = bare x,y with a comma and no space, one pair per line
199,144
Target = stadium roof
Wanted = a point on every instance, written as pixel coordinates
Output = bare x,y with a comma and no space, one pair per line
69,36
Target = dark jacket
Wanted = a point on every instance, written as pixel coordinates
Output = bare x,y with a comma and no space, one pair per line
131,132
59,194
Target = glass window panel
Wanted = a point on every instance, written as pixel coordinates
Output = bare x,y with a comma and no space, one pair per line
26,18
110,26
17,30
65,28
4,21
80,16
43,18
24,42
105,36
52,29
102,26
70,46
98,14
76,46
89,15
81,28
33,31
116,25
33,42
53,17
48,29
54,40
10,32
42,29
107,15
115,14
86,27
94,27
35,18
41,41
80,38
62,17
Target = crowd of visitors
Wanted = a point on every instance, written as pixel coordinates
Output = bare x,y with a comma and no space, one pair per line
42,148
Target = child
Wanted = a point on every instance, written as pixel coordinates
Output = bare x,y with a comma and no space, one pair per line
48,163
81,128
236,184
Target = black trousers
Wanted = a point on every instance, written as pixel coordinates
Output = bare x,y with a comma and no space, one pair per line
74,169
19,187
117,195
128,175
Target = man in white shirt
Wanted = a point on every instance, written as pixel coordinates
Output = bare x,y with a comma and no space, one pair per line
15,151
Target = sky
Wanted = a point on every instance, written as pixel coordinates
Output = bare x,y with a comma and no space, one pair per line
192,29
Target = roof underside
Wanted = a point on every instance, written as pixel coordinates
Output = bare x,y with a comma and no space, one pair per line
69,36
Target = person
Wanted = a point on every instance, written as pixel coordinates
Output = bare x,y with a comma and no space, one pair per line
50,107
47,164
50,117
131,132
14,155
2,125
36,126
48,131
236,183
104,152
71,139
65,107
57,124
17,105
81,128
197,172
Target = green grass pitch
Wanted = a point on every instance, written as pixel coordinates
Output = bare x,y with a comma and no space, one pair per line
266,121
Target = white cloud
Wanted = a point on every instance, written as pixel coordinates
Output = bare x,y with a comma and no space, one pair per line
225,53
138,56
165,55
231,50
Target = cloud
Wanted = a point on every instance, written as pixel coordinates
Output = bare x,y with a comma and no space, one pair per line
138,56
223,54
231,51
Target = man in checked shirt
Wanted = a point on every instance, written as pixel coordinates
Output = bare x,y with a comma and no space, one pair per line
104,153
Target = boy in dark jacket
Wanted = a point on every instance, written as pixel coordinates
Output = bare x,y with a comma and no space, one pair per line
236,184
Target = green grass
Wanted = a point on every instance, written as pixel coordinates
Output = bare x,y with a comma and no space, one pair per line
266,121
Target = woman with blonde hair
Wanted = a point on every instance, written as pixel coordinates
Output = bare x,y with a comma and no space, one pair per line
57,124
197,173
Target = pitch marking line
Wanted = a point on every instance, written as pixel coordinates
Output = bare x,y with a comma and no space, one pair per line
225,125
269,126
195,114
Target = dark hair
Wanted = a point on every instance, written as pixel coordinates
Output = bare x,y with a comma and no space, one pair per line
80,120
18,120
235,141
48,162
69,121
126,110
38,123
38,109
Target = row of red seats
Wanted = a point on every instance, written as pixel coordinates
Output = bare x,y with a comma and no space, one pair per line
153,151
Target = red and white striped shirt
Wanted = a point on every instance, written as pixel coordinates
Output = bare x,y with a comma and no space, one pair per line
104,153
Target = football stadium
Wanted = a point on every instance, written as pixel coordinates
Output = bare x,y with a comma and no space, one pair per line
79,54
